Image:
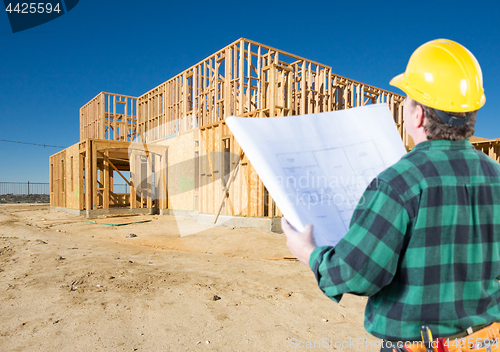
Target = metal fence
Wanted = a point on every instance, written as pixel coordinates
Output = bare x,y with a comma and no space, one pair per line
24,188
121,188
32,188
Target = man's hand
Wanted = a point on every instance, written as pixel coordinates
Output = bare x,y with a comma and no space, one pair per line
301,244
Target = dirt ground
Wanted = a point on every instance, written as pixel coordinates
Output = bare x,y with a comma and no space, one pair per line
68,285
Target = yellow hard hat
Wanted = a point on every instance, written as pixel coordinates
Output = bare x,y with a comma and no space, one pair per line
443,75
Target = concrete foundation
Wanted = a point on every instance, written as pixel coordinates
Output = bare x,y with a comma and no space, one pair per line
268,224
74,212
183,213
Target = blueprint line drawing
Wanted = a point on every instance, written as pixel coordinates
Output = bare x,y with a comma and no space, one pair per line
316,167
318,177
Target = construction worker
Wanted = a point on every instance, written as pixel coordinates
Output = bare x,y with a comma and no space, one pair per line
425,243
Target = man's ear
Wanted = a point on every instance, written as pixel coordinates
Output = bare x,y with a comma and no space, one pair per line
419,116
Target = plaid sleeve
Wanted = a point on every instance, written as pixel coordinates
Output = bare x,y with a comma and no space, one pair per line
366,259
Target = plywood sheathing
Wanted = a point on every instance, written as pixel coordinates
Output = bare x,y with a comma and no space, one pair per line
179,171
65,187
58,179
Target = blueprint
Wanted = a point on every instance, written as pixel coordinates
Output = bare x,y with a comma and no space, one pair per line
317,166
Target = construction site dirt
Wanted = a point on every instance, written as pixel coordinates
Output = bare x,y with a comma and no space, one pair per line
70,285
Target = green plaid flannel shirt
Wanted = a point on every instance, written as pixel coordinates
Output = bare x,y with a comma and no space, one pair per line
423,244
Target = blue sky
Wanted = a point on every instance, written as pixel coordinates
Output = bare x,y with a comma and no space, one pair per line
48,72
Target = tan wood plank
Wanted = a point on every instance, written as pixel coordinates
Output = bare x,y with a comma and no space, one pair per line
106,176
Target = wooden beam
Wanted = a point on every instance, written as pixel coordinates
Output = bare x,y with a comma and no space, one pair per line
241,78
81,194
227,84
149,168
164,171
106,193
133,196
88,175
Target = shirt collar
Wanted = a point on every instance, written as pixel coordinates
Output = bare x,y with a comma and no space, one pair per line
444,144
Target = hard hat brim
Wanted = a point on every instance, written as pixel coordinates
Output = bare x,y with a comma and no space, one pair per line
398,82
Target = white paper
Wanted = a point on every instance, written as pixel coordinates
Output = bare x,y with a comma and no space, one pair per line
317,166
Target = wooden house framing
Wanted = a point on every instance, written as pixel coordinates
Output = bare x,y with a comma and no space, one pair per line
175,145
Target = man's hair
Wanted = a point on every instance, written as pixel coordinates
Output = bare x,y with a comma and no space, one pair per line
438,129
